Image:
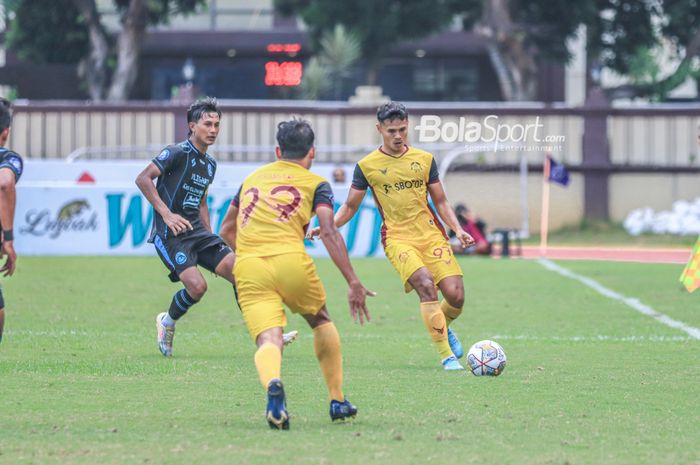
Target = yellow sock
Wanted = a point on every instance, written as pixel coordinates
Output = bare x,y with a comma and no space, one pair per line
436,324
451,313
268,361
327,348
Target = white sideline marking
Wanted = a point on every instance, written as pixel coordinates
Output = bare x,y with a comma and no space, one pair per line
630,301
593,338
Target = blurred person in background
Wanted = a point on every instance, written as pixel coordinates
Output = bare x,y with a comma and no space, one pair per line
476,228
339,176
10,171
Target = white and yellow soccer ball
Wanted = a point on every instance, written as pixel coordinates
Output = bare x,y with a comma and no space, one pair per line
486,358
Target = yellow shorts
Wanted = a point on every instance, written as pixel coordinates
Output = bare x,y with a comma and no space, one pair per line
435,255
265,283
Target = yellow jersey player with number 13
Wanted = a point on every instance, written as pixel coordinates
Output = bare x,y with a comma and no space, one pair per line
401,177
265,225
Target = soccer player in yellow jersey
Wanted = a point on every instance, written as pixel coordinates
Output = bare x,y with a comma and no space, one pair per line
401,177
265,225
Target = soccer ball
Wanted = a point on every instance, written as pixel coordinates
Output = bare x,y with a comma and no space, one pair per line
486,358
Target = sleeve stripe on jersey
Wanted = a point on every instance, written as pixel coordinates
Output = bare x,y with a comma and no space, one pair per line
323,204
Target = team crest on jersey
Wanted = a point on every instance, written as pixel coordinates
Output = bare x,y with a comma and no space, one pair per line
210,169
180,258
415,166
164,155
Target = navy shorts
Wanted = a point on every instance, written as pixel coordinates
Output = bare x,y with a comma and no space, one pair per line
198,247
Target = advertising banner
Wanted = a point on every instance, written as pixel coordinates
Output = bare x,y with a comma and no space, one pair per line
95,219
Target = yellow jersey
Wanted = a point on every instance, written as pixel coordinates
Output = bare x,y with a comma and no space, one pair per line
400,187
276,203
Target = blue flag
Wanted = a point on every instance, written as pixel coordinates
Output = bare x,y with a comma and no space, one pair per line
557,172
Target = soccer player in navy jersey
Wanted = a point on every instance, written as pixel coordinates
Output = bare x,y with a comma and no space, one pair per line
10,172
182,232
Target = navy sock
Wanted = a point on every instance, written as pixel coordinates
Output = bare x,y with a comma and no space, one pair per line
181,302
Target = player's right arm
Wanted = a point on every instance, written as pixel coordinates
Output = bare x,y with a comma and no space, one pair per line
350,207
335,245
144,181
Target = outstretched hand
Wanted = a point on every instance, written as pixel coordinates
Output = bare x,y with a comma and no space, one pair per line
357,295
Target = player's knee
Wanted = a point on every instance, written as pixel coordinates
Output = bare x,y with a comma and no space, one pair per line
425,287
320,318
457,298
197,289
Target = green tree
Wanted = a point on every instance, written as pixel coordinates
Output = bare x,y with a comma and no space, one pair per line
32,32
315,82
327,70
377,25
628,35
519,34
109,63
340,50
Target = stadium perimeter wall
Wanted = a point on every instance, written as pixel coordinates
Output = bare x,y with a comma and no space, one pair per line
640,155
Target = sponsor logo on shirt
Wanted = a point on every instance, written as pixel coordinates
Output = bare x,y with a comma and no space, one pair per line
408,184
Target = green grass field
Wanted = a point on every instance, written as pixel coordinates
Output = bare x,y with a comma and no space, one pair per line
589,380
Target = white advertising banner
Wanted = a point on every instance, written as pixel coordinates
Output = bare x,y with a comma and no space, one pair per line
59,217
124,172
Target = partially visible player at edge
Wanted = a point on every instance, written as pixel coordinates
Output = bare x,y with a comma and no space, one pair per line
401,177
181,230
10,171
265,224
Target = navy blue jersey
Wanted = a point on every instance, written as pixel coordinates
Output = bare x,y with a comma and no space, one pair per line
185,176
11,160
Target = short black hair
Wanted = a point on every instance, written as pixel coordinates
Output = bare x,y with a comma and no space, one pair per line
295,138
5,114
200,107
391,111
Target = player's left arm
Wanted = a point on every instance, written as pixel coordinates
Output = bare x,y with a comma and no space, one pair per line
204,212
8,196
444,209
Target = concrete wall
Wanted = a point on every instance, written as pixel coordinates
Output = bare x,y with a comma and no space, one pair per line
658,191
496,197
